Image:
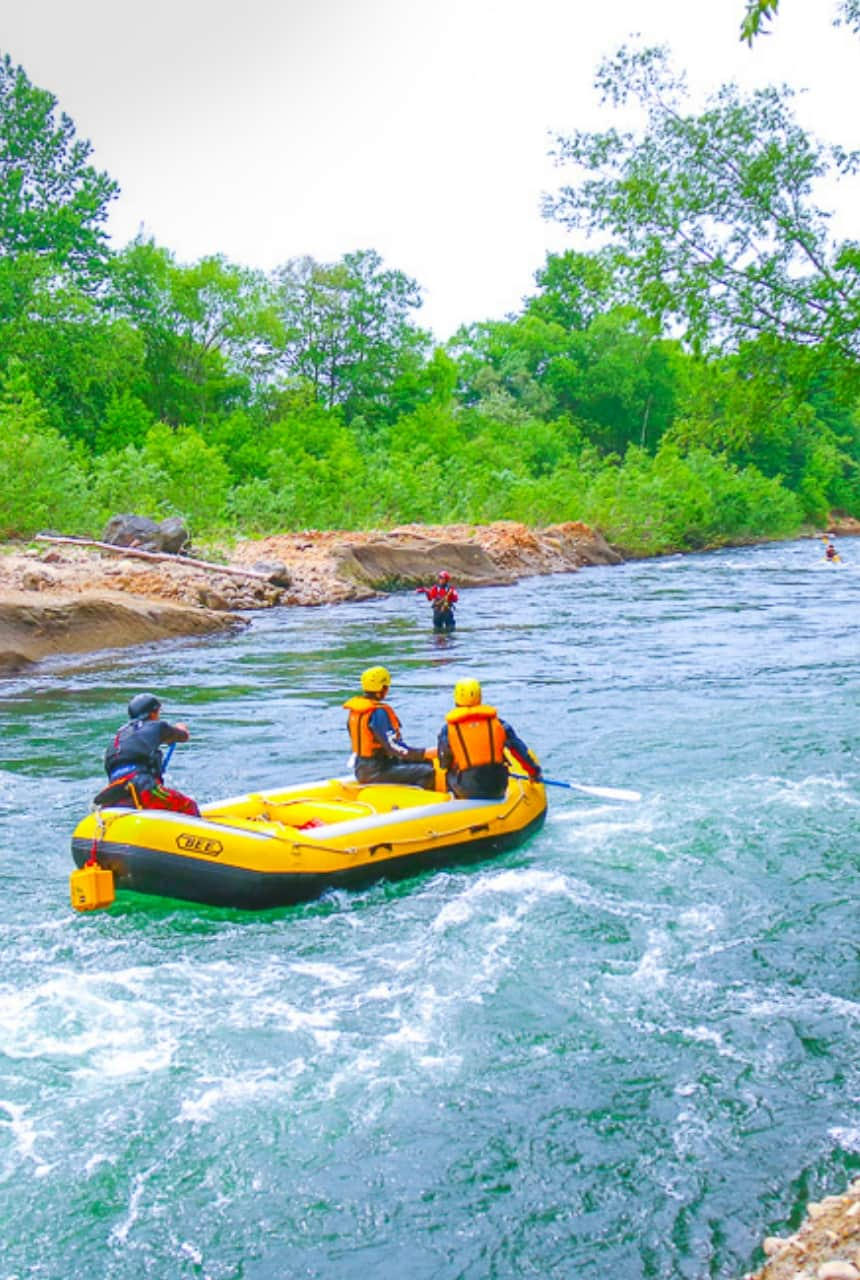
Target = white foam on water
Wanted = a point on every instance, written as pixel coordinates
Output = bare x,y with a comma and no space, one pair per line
62,1018
652,969
526,885
119,1234
706,1035
190,1251
604,819
132,1062
809,792
440,1064
24,1136
381,991
701,919
689,1133
238,1091
330,974
453,913
848,1138
532,881
797,1003
408,1033
289,1017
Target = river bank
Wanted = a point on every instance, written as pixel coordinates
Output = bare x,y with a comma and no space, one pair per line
59,597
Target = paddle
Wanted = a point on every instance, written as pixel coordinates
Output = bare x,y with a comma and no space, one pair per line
168,753
606,793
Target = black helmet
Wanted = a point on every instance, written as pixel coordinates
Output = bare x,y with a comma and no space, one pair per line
143,705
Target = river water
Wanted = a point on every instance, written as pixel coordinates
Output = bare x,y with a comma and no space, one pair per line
629,1048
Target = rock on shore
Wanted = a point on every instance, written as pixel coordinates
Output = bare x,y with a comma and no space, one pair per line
327,567
826,1247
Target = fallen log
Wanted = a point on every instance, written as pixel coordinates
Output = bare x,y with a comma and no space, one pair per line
153,555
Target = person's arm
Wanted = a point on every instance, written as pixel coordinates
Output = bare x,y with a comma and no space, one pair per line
391,742
522,754
172,733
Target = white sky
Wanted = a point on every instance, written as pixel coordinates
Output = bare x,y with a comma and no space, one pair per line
268,129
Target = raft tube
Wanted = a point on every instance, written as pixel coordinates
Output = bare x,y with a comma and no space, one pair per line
276,848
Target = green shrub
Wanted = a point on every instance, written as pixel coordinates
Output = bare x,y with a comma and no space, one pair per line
43,479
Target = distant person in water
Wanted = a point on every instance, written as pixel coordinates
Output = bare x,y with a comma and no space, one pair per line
134,763
830,552
442,597
380,753
473,744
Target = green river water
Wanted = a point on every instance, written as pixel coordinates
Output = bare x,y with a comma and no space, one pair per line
627,1049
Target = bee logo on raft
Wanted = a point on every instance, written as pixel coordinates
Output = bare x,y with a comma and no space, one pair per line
199,844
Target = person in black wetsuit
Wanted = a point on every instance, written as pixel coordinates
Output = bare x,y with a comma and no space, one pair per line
380,753
135,765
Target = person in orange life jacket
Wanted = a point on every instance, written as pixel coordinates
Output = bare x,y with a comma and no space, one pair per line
442,597
472,746
134,763
380,753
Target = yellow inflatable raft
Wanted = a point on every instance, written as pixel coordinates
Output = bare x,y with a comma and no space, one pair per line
280,847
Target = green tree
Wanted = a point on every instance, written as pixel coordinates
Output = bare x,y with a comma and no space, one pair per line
43,482
53,253
209,329
171,472
574,287
349,333
53,203
711,215
760,12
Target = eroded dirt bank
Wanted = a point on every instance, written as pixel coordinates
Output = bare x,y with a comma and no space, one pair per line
34,628
58,598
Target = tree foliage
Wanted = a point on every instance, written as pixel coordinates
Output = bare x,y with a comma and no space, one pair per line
310,396
711,215
348,331
759,14
53,203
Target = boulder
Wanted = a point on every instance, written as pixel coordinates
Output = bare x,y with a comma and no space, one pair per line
169,537
275,570
174,535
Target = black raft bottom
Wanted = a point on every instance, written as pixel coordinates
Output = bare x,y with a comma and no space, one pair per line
170,875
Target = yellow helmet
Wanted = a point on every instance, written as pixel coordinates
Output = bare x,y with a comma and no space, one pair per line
375,679
467,693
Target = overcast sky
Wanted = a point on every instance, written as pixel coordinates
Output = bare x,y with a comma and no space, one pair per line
269,129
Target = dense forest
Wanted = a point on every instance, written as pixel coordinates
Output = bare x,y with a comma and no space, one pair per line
692,381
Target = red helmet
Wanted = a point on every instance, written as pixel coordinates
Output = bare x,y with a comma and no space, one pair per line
444,575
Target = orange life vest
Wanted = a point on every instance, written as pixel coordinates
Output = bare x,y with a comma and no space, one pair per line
360,709
476,736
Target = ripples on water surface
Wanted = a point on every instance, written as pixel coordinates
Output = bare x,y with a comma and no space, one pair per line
628,1048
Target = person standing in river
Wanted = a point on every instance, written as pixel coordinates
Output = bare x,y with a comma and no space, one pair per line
380,753
442,597
135,765
472,746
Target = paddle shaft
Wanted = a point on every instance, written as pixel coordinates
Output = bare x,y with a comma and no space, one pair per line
606,793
